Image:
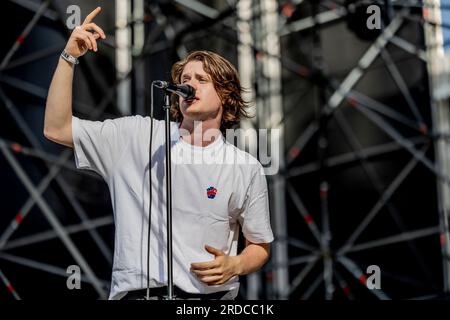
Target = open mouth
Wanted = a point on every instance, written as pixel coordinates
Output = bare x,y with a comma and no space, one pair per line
191,101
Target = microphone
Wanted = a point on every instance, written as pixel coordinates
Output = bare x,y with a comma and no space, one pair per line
183,90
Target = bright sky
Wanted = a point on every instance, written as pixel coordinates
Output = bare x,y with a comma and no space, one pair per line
446,20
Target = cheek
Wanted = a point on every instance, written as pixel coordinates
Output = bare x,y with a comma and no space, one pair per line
217,99
219,103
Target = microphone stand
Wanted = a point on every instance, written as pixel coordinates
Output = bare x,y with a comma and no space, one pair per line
166,108
187,91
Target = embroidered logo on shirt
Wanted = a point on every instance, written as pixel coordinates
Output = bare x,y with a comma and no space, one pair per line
211,192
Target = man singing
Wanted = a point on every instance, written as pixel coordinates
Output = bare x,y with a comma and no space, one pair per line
211,199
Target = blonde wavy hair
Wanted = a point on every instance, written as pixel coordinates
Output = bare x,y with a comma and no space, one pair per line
226,81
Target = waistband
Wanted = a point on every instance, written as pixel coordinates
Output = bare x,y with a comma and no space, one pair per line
161,292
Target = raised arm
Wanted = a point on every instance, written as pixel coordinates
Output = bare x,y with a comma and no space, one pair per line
58,110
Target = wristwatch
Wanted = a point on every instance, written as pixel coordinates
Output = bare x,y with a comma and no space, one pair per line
69,58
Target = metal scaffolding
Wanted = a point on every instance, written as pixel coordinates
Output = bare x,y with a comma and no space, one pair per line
441,125
378,113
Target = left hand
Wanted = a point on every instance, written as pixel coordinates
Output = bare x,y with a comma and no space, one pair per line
217,271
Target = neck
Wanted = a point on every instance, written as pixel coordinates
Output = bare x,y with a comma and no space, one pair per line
200,133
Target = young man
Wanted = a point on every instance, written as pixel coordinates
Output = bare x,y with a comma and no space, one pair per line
210,199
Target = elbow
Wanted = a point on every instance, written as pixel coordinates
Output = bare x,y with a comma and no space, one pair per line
61,136
47,128
51,134
48,133
265,253
267,256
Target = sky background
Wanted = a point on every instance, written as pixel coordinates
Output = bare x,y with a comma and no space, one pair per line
446,20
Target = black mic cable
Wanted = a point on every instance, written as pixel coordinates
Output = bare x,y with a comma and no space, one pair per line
150,192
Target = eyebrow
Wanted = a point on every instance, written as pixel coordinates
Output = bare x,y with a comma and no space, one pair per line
197,75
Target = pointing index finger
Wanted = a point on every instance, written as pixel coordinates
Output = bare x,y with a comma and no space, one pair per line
92,15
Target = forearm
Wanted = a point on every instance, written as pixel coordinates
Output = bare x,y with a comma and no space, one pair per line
58,110
224,267
252,258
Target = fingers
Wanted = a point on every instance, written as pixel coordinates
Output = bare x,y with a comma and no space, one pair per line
211,276
209,272
93,27
93,41
204,265
214,251
87,37
92,15
210,280
83,33
82,36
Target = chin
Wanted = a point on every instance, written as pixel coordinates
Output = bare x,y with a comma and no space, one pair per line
192,111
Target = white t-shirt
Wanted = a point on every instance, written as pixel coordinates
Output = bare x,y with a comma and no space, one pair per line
210,199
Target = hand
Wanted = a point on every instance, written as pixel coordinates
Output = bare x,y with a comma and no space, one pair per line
81,40
217,271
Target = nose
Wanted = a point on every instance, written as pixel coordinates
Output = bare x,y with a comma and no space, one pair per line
193,83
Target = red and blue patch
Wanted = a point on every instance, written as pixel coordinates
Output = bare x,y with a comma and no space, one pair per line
211,192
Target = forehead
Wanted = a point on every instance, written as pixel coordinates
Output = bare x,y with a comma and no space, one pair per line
193,67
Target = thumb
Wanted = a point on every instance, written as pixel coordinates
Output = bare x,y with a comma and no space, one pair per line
214,251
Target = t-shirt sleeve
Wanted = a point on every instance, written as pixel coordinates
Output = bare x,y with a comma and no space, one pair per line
99,145
255,218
